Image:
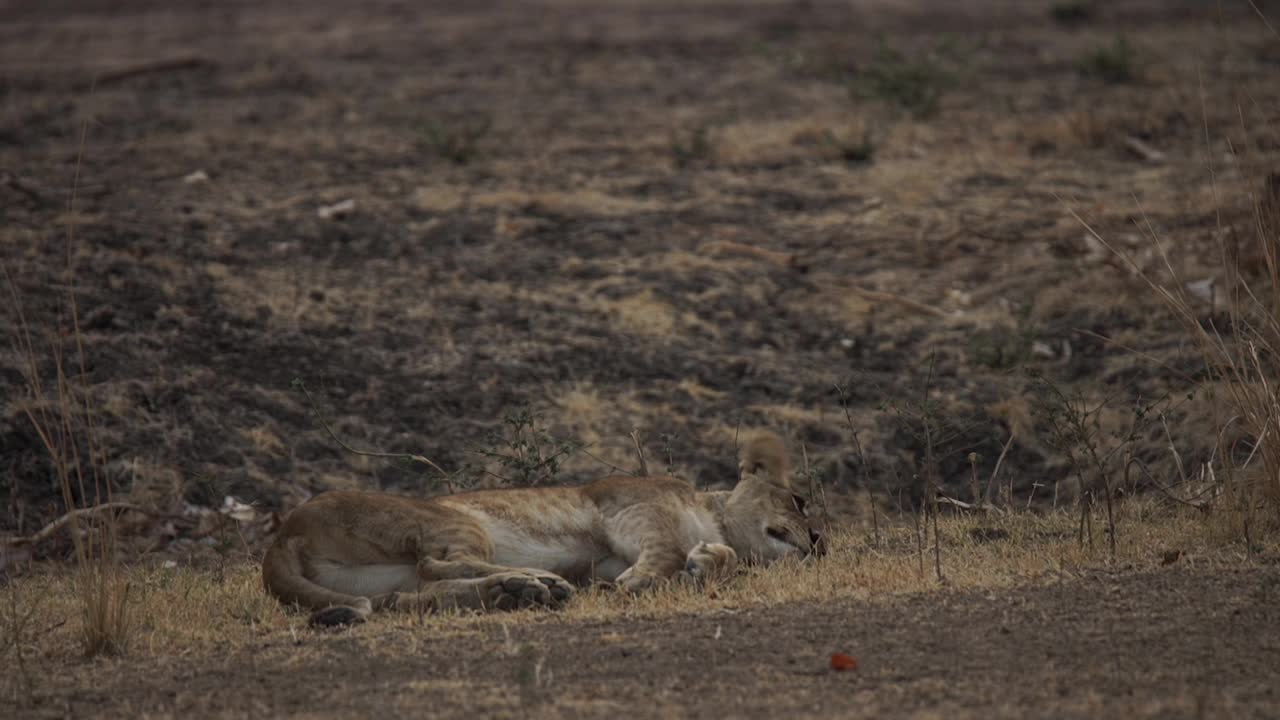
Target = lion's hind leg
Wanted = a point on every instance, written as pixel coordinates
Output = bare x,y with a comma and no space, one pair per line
468,584
499,591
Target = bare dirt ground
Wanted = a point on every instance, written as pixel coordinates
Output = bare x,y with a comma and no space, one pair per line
1166,643
681,217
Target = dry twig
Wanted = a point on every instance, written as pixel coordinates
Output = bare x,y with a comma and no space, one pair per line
364,453
987,495
53,527
187,62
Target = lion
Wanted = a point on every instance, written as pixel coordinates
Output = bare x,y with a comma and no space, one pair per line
344,554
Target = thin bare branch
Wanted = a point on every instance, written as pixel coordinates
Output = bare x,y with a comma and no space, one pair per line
988,495
364,453
53,527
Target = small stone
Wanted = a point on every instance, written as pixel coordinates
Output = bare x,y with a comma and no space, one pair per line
338,210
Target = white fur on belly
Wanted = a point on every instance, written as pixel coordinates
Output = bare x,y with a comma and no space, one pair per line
563,555
560,539
365,580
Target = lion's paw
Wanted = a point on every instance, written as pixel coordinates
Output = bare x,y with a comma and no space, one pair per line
710,560
635,581
515,590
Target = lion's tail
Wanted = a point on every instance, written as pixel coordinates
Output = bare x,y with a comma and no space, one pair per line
283,577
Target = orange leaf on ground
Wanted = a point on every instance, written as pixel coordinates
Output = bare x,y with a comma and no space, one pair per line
840,661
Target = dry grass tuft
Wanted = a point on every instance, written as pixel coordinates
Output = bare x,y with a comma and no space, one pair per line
63,418
1240,348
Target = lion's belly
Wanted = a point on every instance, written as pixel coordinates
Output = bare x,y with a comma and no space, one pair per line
571,555
552,529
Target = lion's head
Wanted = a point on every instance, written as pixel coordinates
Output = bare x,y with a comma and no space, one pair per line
765,518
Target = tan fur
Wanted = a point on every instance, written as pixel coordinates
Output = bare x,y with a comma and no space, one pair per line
346,554
765,453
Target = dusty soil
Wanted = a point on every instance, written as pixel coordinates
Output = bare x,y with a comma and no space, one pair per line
1169,643
551,206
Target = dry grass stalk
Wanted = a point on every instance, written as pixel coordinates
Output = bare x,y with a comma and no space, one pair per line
1241,355
862,462
932,483
643,470
15,629
817,493
63,418
989,495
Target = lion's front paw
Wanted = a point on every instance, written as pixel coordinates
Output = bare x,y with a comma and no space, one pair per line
635,581
514,590
708,561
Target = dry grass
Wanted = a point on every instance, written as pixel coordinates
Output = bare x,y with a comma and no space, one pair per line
1235,331
63,418
185,611
63,413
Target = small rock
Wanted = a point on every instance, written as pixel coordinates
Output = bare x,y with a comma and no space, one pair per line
195,178
1042,349
1142,150
236,510
1201,289
338,210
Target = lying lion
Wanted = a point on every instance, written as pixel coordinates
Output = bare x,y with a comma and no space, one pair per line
346,554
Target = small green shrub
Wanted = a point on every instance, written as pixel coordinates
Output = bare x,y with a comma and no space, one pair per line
1116,63
457,142
523,451
914,84
693,147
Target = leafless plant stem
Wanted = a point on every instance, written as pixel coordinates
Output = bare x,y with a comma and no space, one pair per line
364,453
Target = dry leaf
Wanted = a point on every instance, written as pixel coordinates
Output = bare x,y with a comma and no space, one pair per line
841,662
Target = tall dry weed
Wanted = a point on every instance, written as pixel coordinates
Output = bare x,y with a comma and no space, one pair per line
61,412
1236,333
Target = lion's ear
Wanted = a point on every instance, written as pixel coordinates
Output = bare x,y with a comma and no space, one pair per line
759,477
764,459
